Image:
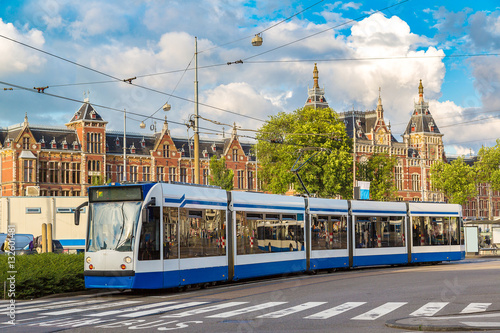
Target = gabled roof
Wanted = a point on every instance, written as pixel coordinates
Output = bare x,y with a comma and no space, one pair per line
86,113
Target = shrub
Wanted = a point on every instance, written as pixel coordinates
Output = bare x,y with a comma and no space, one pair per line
44,274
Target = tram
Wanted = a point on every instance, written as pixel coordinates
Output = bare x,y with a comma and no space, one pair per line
163,235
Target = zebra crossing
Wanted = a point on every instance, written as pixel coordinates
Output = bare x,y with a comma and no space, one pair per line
321,310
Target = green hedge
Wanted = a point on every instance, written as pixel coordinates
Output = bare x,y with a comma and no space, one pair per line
44,274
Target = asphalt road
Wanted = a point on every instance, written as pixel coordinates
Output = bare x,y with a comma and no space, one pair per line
361,300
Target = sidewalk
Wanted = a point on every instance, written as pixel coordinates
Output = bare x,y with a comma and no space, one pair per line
483,321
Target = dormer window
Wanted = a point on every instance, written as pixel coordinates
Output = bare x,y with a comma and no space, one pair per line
431,126
75,145
132,149
42,142
93,114
117,141
7,143
191,146
143,143
53,143
205,153
413,126
64,144
181,151
107,147
214,147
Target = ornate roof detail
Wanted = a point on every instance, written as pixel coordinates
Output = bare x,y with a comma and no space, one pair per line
316,96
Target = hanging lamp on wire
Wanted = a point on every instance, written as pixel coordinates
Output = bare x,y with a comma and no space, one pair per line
257,40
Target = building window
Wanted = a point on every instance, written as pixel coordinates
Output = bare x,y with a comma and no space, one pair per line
415,182
76,193
28,171
250,180
146,174
241,178
119,173
75,173
235,155
65,173
133,173
171,174
183,176
94,143
399,177
108,172
53,172
43,172
166,151
159,174
65,193
26,143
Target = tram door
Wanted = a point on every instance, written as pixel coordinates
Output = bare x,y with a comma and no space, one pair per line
171,262
150,244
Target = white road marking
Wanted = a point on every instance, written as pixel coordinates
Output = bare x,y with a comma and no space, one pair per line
379,311
33,308
132,309
246,310
58,306
25,319
476,307
335,311
293,309
203,310
161,310
429,309
89,308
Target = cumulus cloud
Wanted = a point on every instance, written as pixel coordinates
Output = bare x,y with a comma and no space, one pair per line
17,58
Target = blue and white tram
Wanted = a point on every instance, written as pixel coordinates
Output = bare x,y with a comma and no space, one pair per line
262,247
437,232
161,235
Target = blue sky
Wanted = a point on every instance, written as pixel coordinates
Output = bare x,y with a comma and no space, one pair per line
154,41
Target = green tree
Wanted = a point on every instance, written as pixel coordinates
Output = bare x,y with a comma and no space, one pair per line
303,133
488,166
456,180
379,171
220,175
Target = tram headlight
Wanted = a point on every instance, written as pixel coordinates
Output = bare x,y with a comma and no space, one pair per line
88,260
128,260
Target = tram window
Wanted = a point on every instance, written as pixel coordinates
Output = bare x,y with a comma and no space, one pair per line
430,231
270,233
328,232
170,227
202,233
454,231
149,245
379,231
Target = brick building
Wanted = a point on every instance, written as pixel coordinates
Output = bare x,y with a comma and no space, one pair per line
422,144
63,161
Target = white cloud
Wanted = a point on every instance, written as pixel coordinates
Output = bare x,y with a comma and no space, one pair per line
17,58
99,18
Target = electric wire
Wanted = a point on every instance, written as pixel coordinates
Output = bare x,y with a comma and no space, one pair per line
325,30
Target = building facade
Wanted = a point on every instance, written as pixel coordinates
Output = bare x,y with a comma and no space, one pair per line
64,161
422,144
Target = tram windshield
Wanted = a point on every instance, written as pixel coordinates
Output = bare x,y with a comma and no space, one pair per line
113,225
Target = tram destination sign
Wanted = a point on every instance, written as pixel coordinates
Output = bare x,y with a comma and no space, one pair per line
116,193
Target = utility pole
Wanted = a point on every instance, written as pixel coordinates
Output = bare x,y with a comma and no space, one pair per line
196,128
125,146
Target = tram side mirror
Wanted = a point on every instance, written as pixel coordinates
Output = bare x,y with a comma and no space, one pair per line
146,211
77,212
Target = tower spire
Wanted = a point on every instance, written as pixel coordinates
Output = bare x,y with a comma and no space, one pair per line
420,92
315,76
